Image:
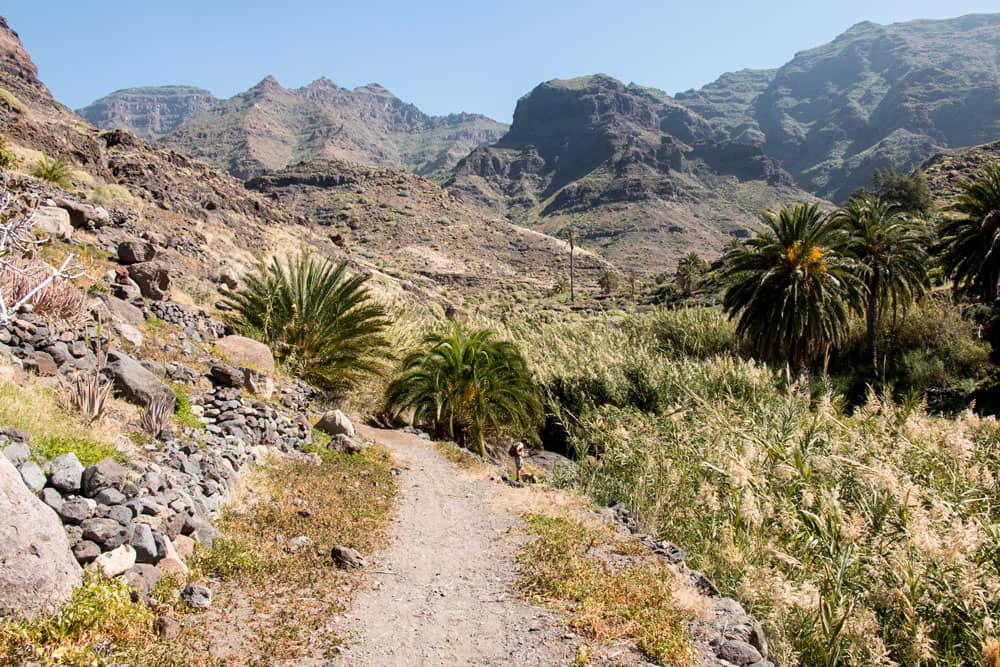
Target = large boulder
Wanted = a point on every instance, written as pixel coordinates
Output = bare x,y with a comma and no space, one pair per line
122,311
247,353
136,383
134,252
335,423
37,568
83,215
53,221
153,279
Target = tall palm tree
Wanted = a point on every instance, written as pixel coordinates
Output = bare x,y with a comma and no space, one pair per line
317,318
572,236
468,384
792,286
970,241
889,246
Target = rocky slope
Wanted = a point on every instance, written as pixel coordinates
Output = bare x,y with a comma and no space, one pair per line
946,170
643,178
411,229
876,96
149,112
269,127
208,223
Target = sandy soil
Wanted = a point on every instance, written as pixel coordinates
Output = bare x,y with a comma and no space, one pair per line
443,592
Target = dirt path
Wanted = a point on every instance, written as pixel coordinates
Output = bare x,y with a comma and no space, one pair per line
443,592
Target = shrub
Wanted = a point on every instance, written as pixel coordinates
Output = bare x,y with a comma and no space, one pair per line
693,332
466,384
320,321
54,171
111,194
7,159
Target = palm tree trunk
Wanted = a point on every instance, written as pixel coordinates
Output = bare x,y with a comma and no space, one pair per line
480,442
873,320
572,270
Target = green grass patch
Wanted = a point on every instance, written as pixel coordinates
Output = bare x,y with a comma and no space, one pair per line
53,429
183,414
99,626
631,600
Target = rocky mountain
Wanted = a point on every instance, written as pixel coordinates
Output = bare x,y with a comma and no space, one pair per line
270,127
643,178
149,112
876,96
419,244
946,170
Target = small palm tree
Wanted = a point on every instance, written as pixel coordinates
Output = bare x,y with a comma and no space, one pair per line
689,272
970,241
466,383
54,171
889,246
572,236
317,318
792,286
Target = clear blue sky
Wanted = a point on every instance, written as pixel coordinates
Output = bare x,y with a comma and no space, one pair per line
444,56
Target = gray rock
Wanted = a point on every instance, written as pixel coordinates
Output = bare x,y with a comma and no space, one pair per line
106,532
77,510
247,353
201,530
17,453
15,434
122,311
141,539
226,375
335,423
129,334
142,577
52,498
738,652
109,496
32,476
103,475
39,571
83,215
346,557
167,627
133,252
345,444
153,279
66,473
136,383
198,597
86,551
258,383
54,222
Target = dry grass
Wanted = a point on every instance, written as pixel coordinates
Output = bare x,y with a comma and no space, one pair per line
292,592
461,457
610,587
270,604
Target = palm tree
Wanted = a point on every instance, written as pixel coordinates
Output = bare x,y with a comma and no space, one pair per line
970,242
690,267
466,383
317,318
890,248
572,236
792,286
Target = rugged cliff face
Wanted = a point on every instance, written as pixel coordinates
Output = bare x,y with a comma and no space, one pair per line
644,178
149,112
877,96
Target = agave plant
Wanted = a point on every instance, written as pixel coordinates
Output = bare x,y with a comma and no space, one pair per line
318,319
467,384
792,287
